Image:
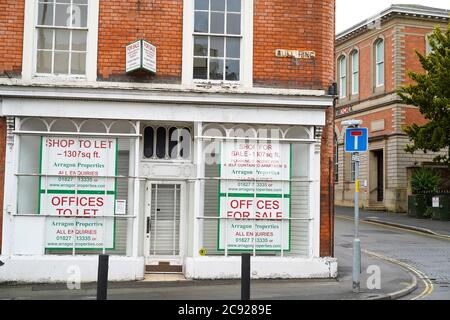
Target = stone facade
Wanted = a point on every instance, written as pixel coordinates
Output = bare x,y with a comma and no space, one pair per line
403,30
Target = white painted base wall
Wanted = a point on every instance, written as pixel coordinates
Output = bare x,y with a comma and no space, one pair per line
60,269
261,268
57,269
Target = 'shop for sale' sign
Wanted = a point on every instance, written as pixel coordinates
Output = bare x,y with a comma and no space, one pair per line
78,180
255,196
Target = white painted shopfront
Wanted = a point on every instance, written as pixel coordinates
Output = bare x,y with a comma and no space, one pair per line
152,178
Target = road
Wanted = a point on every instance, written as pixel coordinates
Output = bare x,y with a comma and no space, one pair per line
427,254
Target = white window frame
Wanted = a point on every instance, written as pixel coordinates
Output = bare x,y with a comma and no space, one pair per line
342,76
428,48
355,72
246,59
379,63
30,44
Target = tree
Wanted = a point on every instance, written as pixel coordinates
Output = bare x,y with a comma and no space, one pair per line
431,93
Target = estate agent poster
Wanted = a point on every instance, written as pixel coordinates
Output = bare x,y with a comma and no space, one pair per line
78,180
255,196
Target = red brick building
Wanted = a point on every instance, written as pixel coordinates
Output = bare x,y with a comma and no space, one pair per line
171,135
372,60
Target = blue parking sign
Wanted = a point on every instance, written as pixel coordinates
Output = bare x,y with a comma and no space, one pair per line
356,140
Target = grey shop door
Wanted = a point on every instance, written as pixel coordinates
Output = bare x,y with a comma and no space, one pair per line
163,222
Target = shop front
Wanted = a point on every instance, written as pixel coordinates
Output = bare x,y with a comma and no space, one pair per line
178,183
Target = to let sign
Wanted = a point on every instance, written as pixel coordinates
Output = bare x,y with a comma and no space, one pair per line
78,180
140,55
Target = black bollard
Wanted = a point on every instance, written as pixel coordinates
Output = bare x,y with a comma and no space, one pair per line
102,277
245,277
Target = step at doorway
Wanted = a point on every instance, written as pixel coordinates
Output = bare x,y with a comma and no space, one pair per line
163,267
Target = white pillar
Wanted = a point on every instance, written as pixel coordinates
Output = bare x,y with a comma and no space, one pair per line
199,189
314,195
10,188
136,193
130,199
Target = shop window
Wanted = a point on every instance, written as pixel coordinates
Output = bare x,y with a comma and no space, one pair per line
61,159
62,28
283,180
217,40
163,143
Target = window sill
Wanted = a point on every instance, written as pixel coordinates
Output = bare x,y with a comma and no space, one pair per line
41,76
217,83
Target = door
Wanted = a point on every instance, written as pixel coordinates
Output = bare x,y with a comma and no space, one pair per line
164,236
380,175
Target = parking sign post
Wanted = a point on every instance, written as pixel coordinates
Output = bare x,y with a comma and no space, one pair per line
356,142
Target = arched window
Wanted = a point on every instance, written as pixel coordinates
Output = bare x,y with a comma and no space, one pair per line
379,63
342,77
355,72
167,143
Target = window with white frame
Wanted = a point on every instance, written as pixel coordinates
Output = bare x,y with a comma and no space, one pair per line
428,48
217,40
379,63
342,77
61,28
355,72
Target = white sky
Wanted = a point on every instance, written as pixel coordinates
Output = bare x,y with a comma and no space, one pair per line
351,12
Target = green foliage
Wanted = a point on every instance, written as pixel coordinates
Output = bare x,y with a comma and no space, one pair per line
425,180
428,213
431,93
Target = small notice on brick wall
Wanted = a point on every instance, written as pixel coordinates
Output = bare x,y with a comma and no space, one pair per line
140,55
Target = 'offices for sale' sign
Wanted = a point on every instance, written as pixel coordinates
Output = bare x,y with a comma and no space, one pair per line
255,196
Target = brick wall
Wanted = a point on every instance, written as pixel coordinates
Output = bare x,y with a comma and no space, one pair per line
413,115
294,25
368,118
278,24
160,22
414,40
11,37
366,50
2,172
327,188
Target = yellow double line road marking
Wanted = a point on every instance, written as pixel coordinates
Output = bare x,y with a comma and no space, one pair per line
422,276
429,287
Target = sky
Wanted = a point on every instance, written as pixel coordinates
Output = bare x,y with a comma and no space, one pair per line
351,12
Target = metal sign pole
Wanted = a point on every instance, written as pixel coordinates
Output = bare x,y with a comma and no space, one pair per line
356,242
356,142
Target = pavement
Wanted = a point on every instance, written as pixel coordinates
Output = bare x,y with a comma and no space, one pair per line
401,220
411,264
396,282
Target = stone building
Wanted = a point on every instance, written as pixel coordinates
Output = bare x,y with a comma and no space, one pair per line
372,59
